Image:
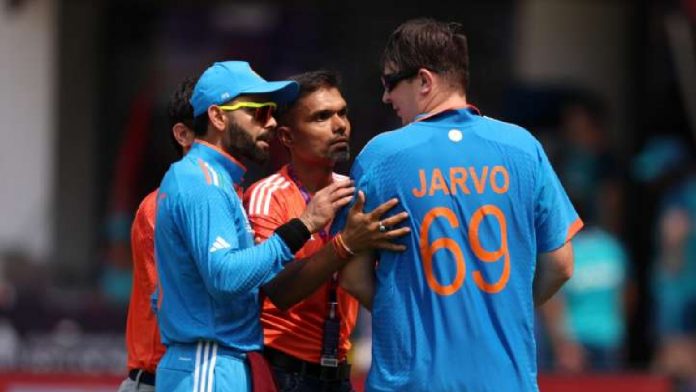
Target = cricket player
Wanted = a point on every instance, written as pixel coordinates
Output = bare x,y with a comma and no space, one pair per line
208,267
142,334
491,229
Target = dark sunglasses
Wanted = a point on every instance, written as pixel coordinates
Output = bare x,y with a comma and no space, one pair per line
263,111
390,80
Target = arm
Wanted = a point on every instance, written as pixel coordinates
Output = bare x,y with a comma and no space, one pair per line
301,278
358,278
568,355
225,265
553,269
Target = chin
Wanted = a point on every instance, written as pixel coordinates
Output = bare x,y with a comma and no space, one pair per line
339,157
261,157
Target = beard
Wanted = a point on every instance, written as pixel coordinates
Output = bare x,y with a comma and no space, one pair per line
339,156
241,143
339,152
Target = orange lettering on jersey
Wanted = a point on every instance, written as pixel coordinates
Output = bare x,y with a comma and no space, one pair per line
420,192
479,183
498,188
458,177
437,183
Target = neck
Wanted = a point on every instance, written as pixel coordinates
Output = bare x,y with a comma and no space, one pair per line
214,139
444,100
314,177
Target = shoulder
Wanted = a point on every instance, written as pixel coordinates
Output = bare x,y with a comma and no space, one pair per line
147,208
192,178
261,194
144,221
507,134
385,144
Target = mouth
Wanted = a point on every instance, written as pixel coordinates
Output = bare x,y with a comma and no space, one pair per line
340,143
263,143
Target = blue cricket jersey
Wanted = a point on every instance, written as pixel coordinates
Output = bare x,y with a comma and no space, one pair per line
455,311
208,267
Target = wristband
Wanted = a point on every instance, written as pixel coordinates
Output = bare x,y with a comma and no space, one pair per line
294,233
343,251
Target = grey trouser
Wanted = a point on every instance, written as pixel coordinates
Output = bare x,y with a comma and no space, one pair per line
129,385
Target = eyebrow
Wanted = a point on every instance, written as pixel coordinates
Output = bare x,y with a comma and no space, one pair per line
326,111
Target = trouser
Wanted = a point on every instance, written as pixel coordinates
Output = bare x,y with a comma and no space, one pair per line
295,375
202,367
135,383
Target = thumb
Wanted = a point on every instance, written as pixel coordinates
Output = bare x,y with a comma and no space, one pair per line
359,203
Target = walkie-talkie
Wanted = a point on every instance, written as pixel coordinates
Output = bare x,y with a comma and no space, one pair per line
332,331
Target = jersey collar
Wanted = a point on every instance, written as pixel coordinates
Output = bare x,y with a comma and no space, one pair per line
214,154
468,109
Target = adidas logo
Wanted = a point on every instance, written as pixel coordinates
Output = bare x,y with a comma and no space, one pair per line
219,243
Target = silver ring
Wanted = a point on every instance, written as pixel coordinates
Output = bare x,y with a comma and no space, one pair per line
382,228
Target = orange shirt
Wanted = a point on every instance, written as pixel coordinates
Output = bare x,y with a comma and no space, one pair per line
299,331
142,334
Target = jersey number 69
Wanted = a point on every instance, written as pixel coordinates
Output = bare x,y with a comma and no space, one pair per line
428,250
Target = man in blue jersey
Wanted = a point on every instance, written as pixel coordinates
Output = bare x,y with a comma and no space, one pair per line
208,267
455,311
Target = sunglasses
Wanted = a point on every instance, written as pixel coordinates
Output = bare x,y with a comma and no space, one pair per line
263,111
390,80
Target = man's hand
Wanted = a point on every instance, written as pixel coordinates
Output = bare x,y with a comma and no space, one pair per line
323,206
367,230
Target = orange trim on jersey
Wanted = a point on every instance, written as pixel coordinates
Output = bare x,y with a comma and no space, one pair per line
208,180
574,228
221,151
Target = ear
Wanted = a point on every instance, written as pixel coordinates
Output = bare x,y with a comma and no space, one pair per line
426,79
183,135
285,136
217,118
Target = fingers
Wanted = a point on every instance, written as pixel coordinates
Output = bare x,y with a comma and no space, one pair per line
396,219
336,185
385,245
384,207
396,233
342,202
359,203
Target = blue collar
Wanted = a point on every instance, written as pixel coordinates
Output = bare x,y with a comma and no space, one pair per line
466,112
215,155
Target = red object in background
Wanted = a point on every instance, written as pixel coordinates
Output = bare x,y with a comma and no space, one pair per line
20,382
25,382
605,383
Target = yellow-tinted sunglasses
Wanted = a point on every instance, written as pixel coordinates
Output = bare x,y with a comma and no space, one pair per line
263,112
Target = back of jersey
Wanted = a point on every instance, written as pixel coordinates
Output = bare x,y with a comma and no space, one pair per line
455,311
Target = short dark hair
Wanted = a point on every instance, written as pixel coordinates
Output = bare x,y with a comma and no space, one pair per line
309,82
179,109
438,46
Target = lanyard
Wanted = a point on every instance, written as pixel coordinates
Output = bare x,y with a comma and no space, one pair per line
307,196
332,324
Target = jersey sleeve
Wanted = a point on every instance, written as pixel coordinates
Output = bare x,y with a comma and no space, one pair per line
264,224
207,217
555,219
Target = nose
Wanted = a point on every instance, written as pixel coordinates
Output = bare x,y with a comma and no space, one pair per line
271,123
385,96
340,124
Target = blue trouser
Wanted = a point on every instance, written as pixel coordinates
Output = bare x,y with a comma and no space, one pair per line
202,367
